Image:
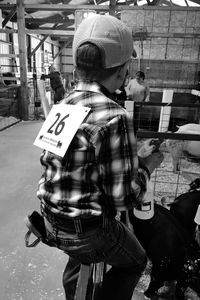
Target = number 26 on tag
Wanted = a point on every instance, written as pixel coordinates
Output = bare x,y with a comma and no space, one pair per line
60,127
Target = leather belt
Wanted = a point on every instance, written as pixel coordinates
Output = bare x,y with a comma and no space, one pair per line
75,225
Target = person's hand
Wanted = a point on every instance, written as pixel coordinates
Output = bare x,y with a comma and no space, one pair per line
146,149
149,159
153,161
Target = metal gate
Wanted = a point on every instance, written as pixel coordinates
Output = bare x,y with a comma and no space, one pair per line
167,181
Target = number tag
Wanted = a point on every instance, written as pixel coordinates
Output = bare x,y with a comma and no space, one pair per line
60,127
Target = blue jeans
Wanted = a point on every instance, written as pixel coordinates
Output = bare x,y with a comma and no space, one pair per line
112,243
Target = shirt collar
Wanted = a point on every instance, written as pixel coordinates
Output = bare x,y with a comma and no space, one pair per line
93,87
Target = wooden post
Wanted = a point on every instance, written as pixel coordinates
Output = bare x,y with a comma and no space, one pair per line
22,60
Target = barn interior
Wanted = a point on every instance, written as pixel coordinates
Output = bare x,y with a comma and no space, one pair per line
37,34
166,35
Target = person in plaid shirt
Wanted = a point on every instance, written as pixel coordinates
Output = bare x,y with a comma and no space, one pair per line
100,174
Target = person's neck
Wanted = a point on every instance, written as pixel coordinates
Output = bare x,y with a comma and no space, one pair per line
105,91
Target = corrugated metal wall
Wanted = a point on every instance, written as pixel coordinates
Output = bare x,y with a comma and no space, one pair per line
168,61
5,47
172,57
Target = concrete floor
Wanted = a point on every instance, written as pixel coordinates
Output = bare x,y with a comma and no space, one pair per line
25,273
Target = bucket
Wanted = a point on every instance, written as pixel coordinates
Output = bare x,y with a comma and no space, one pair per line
145,210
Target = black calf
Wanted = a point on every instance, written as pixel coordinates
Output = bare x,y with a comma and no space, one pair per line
184,209
166,243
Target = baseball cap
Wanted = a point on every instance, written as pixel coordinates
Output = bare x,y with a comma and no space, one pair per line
110,35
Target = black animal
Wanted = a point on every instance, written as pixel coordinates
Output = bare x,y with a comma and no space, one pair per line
185,206
184,209
168,239
165,242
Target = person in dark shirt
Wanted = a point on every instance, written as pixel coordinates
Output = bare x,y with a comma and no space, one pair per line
56,83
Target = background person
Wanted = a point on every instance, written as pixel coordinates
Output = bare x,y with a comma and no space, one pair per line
138,91
100,173
138,88
56,83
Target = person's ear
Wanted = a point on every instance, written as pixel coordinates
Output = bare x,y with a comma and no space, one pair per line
121,72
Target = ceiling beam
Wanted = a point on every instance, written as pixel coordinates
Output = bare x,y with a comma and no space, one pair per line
5,30
9,55
7,6
138,36
41,42
65,45
153,7
50,20
72,8
195,1
50,32
9,16
62,27
146,35
64,7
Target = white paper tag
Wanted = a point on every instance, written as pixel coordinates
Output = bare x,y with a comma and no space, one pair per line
60,127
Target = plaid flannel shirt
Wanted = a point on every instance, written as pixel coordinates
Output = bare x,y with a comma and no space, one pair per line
100,169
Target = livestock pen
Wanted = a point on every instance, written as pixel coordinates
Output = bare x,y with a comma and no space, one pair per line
167,182
161,121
